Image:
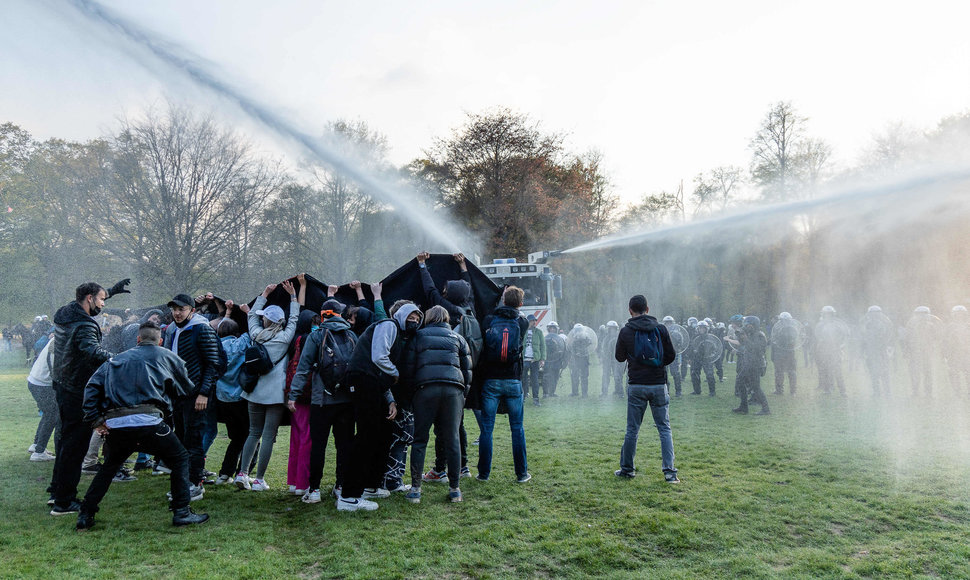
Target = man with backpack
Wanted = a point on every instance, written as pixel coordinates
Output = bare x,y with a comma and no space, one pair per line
645,345
323,363
193,340
501,367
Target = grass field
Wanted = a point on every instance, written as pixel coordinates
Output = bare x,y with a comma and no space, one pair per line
824,487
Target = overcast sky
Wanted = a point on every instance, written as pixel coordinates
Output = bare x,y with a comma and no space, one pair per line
663,89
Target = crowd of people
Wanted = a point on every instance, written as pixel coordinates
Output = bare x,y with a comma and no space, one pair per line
380,378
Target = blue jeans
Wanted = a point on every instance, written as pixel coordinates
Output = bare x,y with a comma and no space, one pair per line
511,391
638,397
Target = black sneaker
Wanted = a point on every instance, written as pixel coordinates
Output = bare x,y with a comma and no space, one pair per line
627,474
91,469
74,508
50,500
187,517
740,411
671,478
84,522
764,411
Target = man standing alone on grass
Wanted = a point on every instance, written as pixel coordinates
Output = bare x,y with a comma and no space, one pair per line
645,344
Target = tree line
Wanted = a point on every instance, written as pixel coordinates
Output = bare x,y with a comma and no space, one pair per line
181,203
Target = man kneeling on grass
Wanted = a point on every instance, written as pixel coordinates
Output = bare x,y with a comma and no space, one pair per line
126,401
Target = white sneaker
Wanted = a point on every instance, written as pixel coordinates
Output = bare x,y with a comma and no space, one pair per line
223,480
300,491
352,505
378,493
259,485
32,448
292,488
311,496
336,492
43,456
403,488
242,481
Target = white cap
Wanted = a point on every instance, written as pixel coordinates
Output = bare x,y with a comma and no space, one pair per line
922,310
612,324
959,308
785,316
874,308
828,310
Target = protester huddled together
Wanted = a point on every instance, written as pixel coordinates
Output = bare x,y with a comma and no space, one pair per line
335,361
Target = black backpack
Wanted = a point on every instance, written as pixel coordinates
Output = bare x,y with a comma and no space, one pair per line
648,347
255,364
333,358
471,331
503,340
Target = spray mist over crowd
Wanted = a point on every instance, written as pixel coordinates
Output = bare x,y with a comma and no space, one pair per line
852,284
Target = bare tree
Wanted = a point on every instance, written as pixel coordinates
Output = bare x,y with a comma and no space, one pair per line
180,187
774,149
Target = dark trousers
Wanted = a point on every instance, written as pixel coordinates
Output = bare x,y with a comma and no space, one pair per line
50,421
368,452
440,454
695,376
323,419
236,417
674,371
749,386
440,405
75,436
579,374
530,377
398,438
158,440
785,368
550,377
189,427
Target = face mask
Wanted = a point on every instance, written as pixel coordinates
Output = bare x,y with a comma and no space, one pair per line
410,327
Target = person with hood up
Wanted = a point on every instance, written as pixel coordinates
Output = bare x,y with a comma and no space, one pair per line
75,355
458,299
193,340
125,401
646,385
330,405
372,373
556,356
267,405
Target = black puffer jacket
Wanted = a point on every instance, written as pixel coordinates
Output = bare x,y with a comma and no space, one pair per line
641,373
199,348
438,355
136,381
77,350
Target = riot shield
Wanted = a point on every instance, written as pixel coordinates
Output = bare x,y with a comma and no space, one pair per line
709,347
679,337
787,334
581,341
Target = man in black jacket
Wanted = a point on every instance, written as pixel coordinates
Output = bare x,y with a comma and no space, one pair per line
193,340
75,355
501,367
125,401
647,385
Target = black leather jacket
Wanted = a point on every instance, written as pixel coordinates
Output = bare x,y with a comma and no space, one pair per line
77,350
136,381
438,355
